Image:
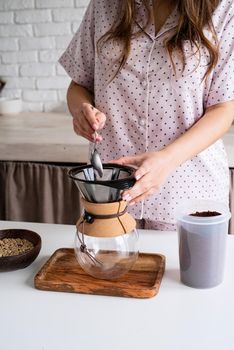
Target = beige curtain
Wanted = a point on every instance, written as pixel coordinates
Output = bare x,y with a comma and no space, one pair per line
231,227
44,193
38,193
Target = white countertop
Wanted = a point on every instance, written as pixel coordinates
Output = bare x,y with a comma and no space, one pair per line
49,137
178,318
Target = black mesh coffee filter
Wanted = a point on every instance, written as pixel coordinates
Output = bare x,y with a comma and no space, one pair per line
115,179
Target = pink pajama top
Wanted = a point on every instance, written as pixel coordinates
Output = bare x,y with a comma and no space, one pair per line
148,105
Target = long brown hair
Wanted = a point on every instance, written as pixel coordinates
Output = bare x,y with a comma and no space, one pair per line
194,16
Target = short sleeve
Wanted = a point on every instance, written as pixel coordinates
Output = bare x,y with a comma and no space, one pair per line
222,84
78,59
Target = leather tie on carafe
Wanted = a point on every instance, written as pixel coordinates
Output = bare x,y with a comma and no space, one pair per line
90,218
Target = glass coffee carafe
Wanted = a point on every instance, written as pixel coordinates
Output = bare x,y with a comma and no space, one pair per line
106,241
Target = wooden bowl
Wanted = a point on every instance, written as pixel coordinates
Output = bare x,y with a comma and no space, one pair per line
20,261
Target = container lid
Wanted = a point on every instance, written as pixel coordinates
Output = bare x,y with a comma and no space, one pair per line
188,207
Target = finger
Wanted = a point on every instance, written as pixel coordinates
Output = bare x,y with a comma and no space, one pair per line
143,196
144,169
135,160
95,118
83,126
97,137
82,133
101,119
86,136
89,114
81,122
141,186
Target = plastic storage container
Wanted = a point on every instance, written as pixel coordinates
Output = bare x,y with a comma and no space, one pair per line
202,242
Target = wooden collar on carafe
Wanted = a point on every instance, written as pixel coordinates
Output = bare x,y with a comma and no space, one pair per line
105,219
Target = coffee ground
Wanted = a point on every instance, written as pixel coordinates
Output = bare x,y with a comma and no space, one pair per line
205,213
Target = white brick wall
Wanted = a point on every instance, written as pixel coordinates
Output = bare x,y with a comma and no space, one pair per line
33,35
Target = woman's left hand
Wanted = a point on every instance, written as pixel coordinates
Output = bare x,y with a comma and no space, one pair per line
152,170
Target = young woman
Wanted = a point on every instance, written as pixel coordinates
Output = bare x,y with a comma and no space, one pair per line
158,78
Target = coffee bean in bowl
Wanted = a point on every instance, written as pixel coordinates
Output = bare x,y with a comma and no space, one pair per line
18,248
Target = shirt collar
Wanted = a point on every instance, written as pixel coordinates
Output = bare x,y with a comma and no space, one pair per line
170,23
139,2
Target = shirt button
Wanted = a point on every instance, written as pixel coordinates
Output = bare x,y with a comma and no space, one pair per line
142,122
144,83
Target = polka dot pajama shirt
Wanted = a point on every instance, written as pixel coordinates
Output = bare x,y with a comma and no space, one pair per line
148,104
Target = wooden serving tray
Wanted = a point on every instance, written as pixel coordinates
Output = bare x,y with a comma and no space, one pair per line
62,273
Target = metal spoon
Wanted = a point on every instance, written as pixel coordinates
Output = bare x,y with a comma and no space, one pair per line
95,159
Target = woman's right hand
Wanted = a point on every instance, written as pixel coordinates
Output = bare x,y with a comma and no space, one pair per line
87,121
